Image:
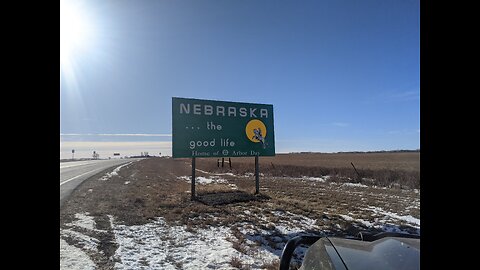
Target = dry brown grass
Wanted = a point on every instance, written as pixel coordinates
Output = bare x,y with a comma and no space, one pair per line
156,191
382,169
407,161
153,191
272,266
236,262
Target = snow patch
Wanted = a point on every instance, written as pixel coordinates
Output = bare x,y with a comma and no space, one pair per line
157,245
364,222
231,174
114,172
73,258
84,221
205,180
407,218
347,218
318,179
354,185
291,223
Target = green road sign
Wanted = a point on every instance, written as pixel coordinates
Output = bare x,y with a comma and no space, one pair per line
210,128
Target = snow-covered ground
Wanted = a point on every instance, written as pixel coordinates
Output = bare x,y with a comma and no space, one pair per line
256,242
157,245
74,258
415,222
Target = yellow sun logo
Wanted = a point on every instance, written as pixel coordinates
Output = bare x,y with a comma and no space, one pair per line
256,131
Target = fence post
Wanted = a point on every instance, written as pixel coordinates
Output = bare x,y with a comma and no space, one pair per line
257,181
193,179
355,170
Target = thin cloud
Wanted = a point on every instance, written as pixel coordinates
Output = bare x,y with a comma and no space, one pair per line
341,124
393,96
84,149
406,95
117,134
403,132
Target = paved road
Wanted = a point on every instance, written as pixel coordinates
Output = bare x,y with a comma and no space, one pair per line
75,172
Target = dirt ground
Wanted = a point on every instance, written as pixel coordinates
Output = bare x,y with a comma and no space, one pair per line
160,187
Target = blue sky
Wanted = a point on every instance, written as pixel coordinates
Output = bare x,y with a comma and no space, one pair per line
341,75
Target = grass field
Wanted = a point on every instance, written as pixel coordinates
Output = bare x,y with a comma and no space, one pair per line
143,217
383,169
407,161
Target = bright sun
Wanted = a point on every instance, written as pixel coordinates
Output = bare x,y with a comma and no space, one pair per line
75,30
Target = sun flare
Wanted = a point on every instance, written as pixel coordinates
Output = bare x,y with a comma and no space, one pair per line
75,30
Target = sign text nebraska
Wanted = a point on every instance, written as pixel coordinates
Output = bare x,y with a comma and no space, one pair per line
230,111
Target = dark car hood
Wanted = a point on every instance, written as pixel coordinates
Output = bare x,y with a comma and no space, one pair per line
385,253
